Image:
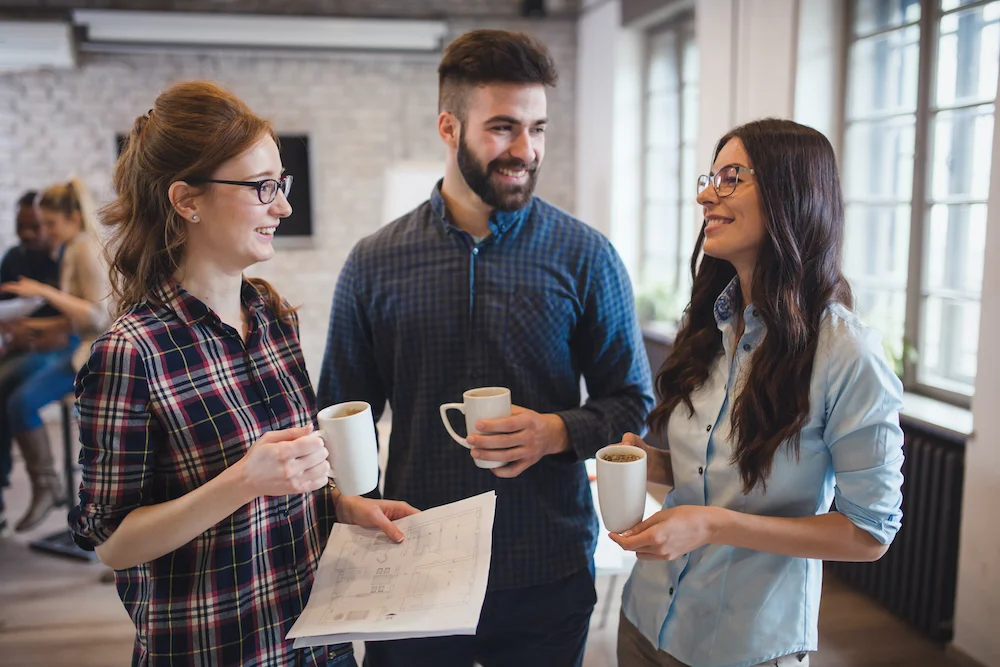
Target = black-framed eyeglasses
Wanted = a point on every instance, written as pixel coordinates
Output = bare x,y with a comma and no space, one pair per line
267,189
724,181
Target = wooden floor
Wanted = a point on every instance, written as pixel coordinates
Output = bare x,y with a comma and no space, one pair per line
55,611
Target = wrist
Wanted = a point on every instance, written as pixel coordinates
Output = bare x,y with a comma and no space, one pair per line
719,523
559,439
46,291
336,497
239,484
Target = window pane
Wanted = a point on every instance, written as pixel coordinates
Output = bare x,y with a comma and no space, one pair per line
879,160
660,237
876,246
954,245
952,4
662,178
659,246
688,235
950,340
662,72
689,174
963,145
689,98
690,73
969,56
874,15
883,73
885,310
662,121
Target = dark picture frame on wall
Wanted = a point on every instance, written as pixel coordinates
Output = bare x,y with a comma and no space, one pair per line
294,150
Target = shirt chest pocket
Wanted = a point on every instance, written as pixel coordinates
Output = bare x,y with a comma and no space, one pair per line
539,327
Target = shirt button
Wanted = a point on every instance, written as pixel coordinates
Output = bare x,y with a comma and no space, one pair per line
708,429
746,347
755,312
475,251
671,591
701,470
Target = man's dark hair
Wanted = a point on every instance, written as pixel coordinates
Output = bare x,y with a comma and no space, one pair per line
27,199
482,57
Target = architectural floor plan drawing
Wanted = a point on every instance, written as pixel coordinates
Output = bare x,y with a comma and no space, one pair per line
368,587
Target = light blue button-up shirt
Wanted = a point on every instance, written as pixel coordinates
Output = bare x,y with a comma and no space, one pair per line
721,606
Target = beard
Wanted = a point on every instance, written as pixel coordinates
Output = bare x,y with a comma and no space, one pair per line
500,196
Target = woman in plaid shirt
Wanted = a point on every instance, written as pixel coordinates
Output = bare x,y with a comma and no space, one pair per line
204,486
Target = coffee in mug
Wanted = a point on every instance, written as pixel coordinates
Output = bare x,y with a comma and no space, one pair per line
621,486
621,458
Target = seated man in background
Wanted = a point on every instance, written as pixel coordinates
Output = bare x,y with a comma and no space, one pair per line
36,258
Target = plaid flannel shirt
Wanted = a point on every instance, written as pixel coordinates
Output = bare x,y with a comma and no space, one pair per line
169,398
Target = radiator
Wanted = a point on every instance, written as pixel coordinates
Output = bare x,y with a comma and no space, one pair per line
916,578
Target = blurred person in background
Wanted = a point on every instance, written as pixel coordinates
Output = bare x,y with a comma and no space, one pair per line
46,375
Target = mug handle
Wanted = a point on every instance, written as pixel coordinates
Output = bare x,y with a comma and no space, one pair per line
444,418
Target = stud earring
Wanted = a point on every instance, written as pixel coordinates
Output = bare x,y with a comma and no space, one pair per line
194,218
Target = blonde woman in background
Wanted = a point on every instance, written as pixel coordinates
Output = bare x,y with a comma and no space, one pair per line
67,214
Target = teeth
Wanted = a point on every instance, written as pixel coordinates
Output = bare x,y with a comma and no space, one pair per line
269,231
512,173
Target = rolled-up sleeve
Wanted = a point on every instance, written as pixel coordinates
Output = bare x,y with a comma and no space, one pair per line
864,399
118,438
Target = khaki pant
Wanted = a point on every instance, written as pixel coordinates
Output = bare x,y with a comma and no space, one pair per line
634,650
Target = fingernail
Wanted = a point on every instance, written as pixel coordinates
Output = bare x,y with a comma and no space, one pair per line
399,537
472,440
627,533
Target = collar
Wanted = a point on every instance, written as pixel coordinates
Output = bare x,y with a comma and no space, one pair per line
500,221
726,303
190,310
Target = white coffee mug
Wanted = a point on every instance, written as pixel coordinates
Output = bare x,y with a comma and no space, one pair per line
482,403
352,446
621,486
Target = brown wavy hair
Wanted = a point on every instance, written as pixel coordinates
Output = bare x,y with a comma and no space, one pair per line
797,276
192,129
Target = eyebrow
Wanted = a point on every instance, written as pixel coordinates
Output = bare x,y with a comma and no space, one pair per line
514,121
730,164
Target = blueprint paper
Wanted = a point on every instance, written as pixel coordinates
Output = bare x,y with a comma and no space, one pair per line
367,587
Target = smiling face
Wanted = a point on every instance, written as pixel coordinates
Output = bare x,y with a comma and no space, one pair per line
502,143
735,225
234,228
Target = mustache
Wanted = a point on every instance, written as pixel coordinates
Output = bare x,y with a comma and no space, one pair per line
512,164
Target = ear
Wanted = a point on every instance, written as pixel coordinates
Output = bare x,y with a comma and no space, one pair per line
182,197
450,129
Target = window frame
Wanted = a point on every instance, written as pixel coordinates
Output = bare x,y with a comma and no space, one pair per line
683,24
925,112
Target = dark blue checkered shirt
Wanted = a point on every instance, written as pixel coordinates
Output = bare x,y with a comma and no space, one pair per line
422,313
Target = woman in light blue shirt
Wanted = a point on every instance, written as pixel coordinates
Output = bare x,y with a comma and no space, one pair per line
775,402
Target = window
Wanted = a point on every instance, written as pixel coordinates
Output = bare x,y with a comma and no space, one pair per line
670,134
921,82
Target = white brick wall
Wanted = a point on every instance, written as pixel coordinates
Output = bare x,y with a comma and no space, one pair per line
362,114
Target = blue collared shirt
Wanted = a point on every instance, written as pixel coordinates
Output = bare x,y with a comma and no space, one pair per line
423,313
721,606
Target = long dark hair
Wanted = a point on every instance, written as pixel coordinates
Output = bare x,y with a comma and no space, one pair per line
797,276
